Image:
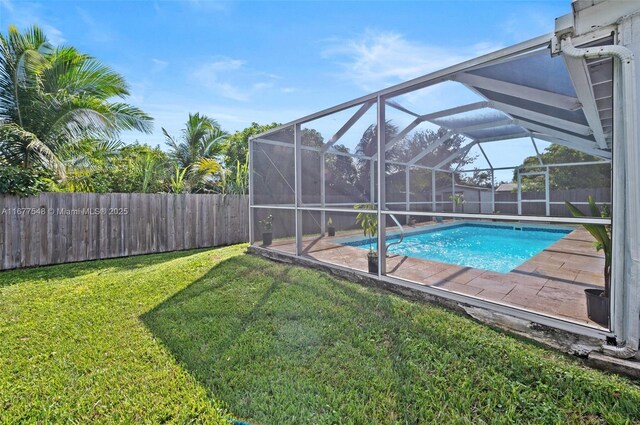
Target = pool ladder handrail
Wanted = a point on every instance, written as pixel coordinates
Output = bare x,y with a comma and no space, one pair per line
399,241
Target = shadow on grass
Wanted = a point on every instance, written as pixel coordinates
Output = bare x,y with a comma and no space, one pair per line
71,270
284,344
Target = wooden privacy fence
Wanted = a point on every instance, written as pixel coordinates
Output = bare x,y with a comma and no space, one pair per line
55,228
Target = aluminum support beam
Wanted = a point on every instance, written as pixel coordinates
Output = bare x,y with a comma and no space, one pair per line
433,146
359,113
547,195
506,137
519,180
535,147
372,181
591,150
538,128
401,108
454,111
252,238
453,192
323,195
454,155
485,156
544,119
297,133
483,126
382,244
493,192
403,133
523,92
579,73
433,191
407,187
426,80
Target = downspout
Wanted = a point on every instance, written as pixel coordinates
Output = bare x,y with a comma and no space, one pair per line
631,153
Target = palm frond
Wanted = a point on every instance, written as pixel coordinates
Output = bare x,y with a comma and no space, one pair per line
208,166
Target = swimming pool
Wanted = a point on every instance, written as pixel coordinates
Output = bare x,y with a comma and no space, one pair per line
499,248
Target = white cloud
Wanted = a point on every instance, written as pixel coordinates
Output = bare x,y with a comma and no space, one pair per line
26,16
97,30
379,59
54,35
172,115
222,75
158,65
7,4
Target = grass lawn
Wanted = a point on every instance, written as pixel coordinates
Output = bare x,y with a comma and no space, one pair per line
197,336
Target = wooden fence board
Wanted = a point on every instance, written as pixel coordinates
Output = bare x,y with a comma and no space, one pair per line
55,228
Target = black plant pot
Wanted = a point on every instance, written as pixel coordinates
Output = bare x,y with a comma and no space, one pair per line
373,263
267,238
597,306
332,231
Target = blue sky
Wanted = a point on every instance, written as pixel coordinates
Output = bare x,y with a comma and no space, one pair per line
265,61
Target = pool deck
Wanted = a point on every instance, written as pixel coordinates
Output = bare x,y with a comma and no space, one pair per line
552,282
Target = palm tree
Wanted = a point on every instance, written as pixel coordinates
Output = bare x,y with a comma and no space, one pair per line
196,149
54,97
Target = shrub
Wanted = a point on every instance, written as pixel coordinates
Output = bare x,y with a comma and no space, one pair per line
20,181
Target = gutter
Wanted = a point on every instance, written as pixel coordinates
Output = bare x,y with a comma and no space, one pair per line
630,152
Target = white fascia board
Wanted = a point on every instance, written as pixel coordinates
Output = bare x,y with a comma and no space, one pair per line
602,14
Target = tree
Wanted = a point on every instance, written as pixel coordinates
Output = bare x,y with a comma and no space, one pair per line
201,141
341,170
478,178
15,180
588,176
52,97
421,179
112,167
409,148
235,158
236,146
368,146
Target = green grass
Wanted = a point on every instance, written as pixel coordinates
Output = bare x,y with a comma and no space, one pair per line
195,336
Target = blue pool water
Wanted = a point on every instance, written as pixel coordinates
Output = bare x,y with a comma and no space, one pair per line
481,246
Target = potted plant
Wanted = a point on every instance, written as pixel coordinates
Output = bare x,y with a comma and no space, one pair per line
458,200
267,235
598,305
331,229
369,224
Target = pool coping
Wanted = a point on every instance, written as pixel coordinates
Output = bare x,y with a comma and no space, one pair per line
543,285
432,228
394,235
